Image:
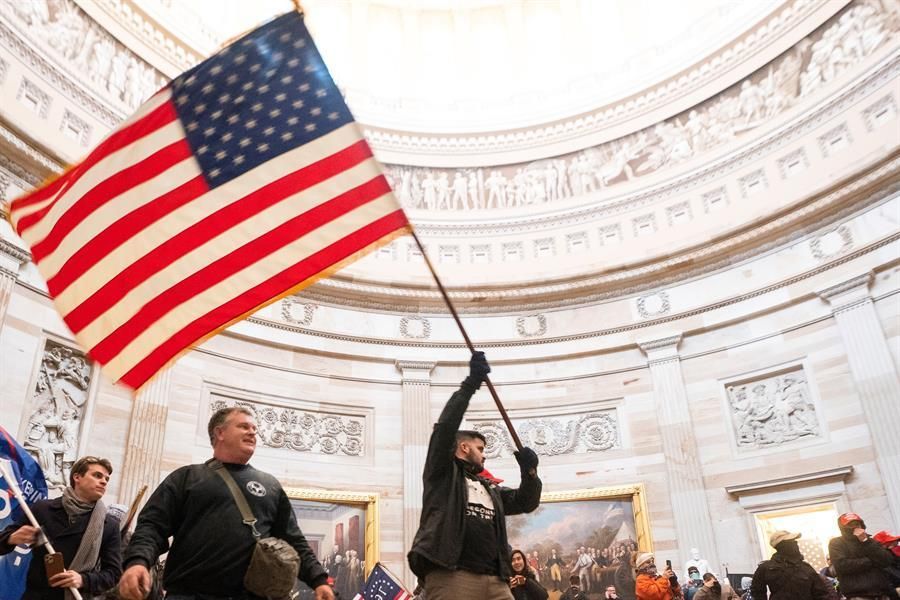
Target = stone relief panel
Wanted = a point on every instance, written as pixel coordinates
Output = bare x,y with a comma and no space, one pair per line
62,28
793,163
34,98
57,409
75,127
302,430
415,328
551,436
753,183
715,199
835,139
839,44
653,305
772,410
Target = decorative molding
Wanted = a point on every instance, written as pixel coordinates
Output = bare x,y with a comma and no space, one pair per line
58,404
511,249
831,243
477,252
793,163
4,66
544,247
34,97
653,305
681,208
835,139
577,242
77,126
289,303
529,326
753,183
415,327
768,485
639,225
772,410
13,251
665,343
881,112
31,153
552,436
610,232
303,431
715,199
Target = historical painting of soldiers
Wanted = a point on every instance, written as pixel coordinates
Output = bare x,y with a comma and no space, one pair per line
339,528
591,537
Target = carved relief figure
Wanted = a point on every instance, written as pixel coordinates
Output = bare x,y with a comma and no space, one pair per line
812,63
772,411
59,401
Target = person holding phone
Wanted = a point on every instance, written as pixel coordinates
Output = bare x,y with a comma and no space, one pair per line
523,582
649,583
86,538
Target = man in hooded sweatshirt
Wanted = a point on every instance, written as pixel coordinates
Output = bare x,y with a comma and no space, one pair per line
859,561
461,548
786,575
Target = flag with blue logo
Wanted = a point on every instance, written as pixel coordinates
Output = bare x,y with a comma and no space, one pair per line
382,585
30,478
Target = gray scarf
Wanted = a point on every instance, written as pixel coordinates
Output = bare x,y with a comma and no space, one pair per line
88,556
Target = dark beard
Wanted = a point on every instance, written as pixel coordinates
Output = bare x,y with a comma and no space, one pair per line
470,467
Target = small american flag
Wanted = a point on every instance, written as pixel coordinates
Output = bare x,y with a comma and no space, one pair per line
243,180
382,585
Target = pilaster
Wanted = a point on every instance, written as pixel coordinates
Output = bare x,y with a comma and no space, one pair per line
146,436
416,405
874,374
11,258
693,525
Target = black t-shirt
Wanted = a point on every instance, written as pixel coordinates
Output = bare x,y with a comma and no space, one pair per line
479,550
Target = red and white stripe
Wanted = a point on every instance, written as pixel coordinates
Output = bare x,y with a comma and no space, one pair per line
143,259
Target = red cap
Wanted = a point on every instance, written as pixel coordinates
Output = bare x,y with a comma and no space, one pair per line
884,538
847,518
485,474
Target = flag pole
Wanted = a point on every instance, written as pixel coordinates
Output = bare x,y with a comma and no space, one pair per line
42,538
462,330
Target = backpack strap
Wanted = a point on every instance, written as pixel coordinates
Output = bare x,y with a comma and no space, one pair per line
239,499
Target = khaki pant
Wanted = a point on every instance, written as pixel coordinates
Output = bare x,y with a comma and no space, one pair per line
459,585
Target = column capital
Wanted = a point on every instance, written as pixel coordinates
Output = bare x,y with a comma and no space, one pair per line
415,370
12,257
661,349
848,293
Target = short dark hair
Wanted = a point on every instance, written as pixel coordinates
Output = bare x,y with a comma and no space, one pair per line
573,579
219,417
469,434
81,466
708,576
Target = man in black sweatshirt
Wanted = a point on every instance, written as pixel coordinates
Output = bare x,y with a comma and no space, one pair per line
212,547
461,549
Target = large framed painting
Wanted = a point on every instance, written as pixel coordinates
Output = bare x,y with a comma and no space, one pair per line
589,533
342,529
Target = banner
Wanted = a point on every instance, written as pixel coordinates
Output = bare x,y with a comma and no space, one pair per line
14,566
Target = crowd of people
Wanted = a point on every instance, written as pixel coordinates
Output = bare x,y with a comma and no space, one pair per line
213,518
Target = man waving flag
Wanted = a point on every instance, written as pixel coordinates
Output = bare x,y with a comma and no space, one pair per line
30,479
242,181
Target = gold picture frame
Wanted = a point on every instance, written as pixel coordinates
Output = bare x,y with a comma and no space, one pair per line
367,501
633,492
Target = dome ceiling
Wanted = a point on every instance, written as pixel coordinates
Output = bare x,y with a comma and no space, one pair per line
484,65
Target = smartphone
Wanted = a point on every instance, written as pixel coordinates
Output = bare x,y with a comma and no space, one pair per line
669,564
53,564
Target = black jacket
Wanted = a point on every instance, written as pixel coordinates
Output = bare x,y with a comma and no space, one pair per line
787,580
532,590
65,539
212,547
438,542
860,566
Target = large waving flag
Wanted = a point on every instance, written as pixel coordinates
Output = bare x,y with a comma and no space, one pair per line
242,181
382,585
14,566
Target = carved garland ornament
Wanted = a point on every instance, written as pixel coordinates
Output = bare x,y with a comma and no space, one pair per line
303,431
551,436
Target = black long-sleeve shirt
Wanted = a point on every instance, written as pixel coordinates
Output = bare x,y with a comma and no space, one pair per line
212,547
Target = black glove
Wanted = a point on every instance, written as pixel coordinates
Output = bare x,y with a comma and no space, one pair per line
527,459
478,370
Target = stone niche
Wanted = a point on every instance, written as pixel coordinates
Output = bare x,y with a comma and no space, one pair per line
770,409
58,403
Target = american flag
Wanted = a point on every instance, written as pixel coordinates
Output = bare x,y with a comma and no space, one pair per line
242,181
382,585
